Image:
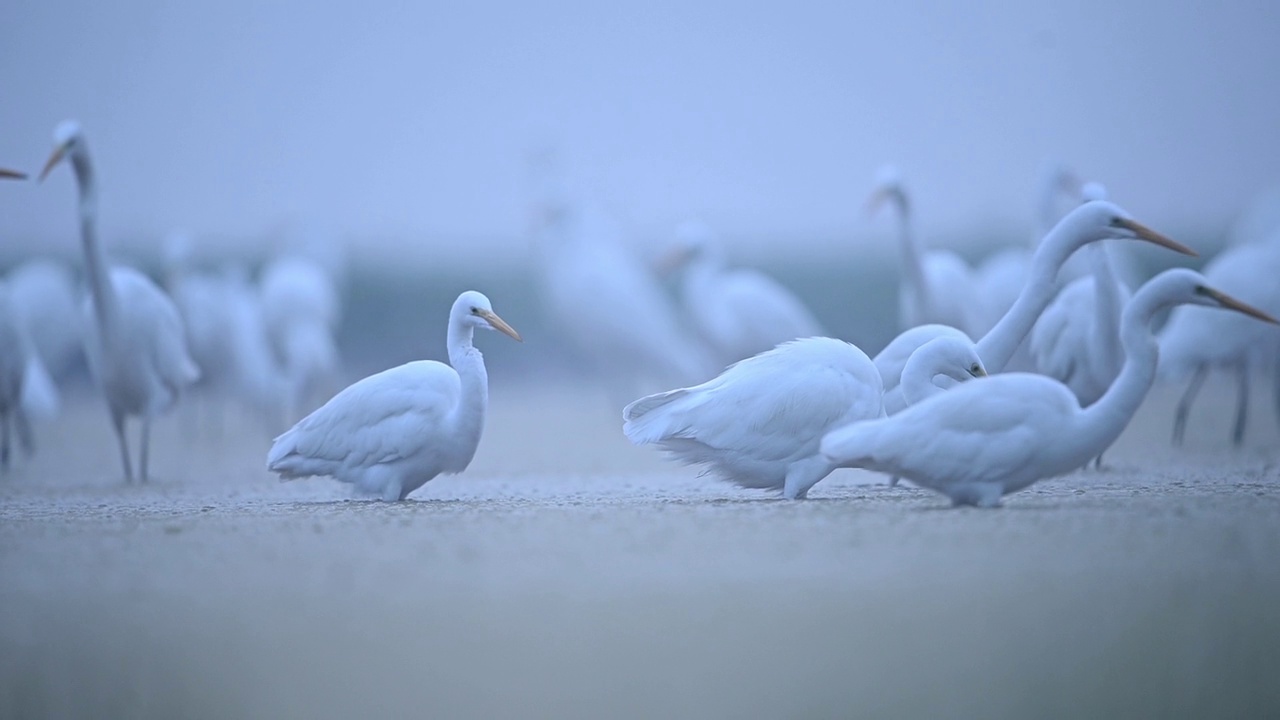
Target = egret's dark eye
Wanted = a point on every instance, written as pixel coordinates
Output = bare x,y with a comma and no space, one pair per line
1117,222
974,369
1202,290
475,310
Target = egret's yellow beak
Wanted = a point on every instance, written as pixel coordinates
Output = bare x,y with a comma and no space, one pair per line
499,324
12,174
1145,233
1231,303
673,260
54,158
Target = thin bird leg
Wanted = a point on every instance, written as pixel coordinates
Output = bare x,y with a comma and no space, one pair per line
1184,405
23,426
146,444
1276,388
4,440
893,480
1242,403
117,421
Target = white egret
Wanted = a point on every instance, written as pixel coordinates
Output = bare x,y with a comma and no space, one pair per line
134,340
1077,338
985,439
301,308
390,433
1192,342
1090,222
47,303
628,331
758,424
226,331
937,285
739,312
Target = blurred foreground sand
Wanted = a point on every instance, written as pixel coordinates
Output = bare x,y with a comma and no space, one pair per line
567,574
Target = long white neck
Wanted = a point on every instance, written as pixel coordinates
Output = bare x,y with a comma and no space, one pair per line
105,304
917,376
998,345
1102,422
700,272
1108,302
468,414
912,255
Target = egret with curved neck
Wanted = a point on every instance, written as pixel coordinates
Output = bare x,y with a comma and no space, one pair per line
390,433
758,424
135,341
1090,222
985,439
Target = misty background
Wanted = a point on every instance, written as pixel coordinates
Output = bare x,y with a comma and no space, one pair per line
407,130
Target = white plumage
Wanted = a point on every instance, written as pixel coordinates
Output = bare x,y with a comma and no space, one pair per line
937,285
739,312
134,337
1194,341
390,433
982,440
1076,340
758,424
1090,222
301,308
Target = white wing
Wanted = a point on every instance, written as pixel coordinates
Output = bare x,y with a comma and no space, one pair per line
382,418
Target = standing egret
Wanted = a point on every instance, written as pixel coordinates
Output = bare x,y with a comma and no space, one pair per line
739,312
628,331
937,285
134,340
46,301
1192,342
1090,222
985,439
758,424
390,433
1077,338
301,308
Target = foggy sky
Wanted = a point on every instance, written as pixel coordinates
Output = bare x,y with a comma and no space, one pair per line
411,123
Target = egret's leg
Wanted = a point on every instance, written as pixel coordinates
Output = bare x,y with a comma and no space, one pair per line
1184,405
23,426
117,422
1242,403
804,474
391,492
893,480
982,495
146,444
4,440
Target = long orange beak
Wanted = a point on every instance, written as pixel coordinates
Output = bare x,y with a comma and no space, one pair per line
54,159
1231,303
1145,233
500,325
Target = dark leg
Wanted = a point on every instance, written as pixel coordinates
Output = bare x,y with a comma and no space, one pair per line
23,427
1184,405
146,444
4,439
117,421
1242,403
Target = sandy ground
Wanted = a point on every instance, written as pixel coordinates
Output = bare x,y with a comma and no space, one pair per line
567,574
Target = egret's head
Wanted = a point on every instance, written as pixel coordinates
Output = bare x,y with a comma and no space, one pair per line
472,309
955,358
888,187
1093,190
66,137
693,239
1187,287
1103,220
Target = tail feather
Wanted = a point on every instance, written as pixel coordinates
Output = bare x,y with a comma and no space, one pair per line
643,424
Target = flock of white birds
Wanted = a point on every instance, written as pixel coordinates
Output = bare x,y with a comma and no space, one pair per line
1025,367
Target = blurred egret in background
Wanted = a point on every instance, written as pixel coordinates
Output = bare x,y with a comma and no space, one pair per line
738,312
135,340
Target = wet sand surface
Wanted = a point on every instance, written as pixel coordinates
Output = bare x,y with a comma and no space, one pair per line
567,574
